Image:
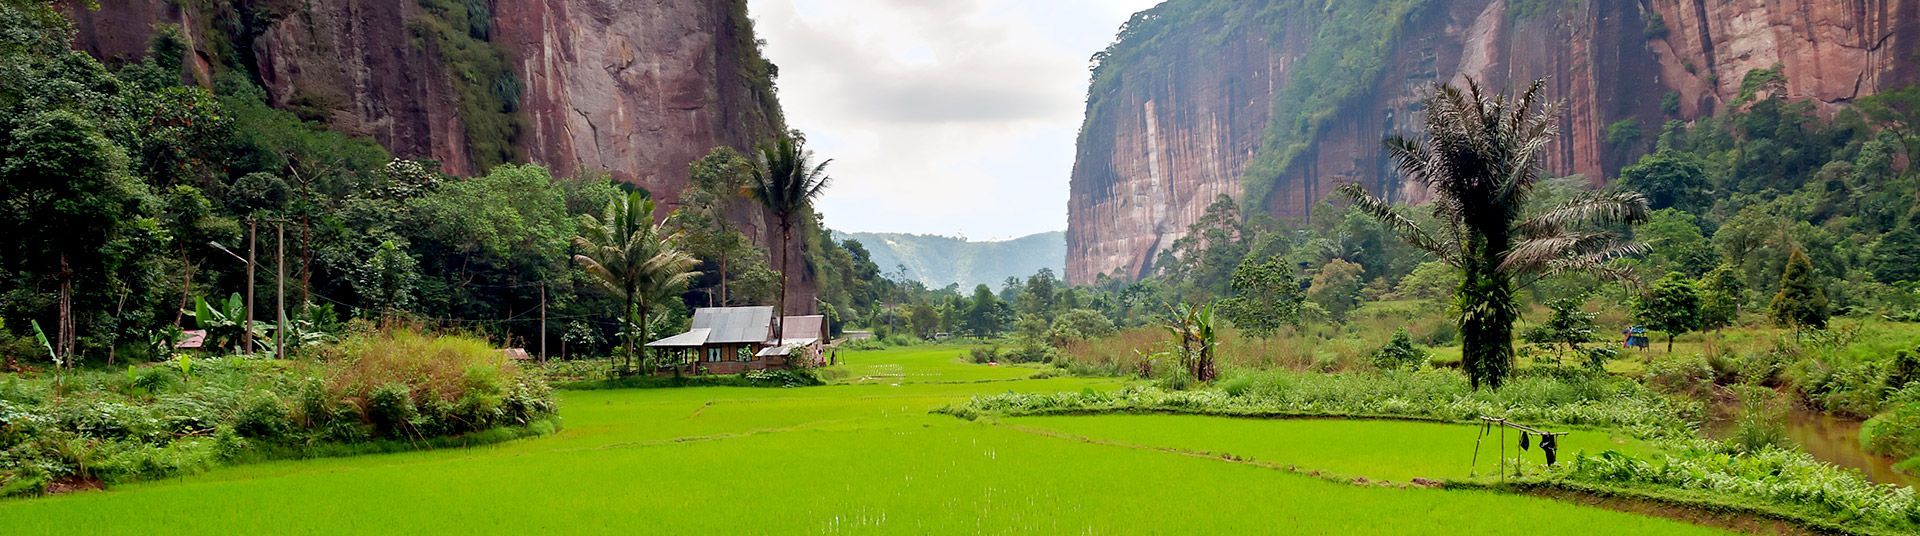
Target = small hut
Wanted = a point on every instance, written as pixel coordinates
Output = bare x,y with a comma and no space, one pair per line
731,340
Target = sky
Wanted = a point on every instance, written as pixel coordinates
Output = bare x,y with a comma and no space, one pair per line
949,117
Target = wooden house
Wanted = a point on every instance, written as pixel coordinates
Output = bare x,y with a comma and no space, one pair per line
731,340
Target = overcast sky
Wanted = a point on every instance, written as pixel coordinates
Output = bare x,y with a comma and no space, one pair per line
951,117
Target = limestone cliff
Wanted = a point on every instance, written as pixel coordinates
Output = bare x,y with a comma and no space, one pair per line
634,89
1277,104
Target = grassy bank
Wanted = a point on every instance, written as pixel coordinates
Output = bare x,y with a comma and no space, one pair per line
374,393
853,456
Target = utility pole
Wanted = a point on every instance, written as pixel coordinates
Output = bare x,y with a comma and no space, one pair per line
246,341
280,293
543,321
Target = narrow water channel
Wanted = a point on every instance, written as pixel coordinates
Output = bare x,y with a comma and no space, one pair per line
1833,440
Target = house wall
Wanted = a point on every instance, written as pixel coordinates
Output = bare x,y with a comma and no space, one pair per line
730,364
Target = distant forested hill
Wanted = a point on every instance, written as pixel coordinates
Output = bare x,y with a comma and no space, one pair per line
938,261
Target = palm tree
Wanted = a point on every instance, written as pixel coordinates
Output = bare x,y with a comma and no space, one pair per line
635,259
786,181
1480,158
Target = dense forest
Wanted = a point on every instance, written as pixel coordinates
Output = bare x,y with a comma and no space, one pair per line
135,198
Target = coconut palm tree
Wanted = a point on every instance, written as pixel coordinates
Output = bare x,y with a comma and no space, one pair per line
1480,159
786,181
635,259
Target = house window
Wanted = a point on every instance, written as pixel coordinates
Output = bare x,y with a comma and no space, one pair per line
713,354
743,353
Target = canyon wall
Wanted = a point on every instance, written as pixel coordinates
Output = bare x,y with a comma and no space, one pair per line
1202,103
632,89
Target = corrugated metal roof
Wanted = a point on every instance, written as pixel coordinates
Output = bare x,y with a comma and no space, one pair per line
804,327
786,348
735,324
692,338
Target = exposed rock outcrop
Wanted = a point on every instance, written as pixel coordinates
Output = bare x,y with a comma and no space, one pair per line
1184,126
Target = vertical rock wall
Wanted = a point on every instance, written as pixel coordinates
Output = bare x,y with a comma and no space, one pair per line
634,89
1162,144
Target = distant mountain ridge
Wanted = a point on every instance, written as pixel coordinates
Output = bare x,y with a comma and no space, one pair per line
938,261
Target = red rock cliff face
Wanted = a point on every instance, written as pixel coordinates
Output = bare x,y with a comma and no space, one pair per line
640,89
635,89
354,64
1161,145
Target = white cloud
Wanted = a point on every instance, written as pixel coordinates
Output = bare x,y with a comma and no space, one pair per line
942,116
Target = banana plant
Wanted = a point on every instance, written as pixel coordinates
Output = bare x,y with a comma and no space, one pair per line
1193,330
226,324
58,363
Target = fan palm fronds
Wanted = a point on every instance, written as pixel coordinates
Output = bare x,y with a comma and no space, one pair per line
1480,158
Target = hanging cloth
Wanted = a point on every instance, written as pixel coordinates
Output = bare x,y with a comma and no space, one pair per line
1524,441
1549,446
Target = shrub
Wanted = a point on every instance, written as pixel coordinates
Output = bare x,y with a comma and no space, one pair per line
263,417
1400,353
106,420
390,409
780,378
117,426
1689,376
442,367
1773,479
1896,432
1761,424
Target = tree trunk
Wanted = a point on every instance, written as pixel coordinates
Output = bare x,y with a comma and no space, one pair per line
626,322
186,286
1486,324
780,309
306,261
64,345
113,339
723,280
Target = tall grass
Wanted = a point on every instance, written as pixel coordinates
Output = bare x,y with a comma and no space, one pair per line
1442,395
1315,347
1786,482
378,392
445,368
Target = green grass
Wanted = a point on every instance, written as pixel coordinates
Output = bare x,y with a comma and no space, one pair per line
1395,451
843,458
922,364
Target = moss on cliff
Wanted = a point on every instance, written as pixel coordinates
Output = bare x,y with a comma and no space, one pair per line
760,73
1349,44
458,31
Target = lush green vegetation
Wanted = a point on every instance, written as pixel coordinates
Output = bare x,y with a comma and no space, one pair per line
459,32
1773,247
385,391
874,460
1480,156
137,196
1782,482
1578,399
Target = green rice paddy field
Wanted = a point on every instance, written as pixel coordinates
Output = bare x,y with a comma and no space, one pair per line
861,456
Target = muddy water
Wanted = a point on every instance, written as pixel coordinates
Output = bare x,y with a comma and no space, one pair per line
1833,440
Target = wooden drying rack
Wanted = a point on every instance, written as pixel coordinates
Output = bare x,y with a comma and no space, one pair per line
1504,425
